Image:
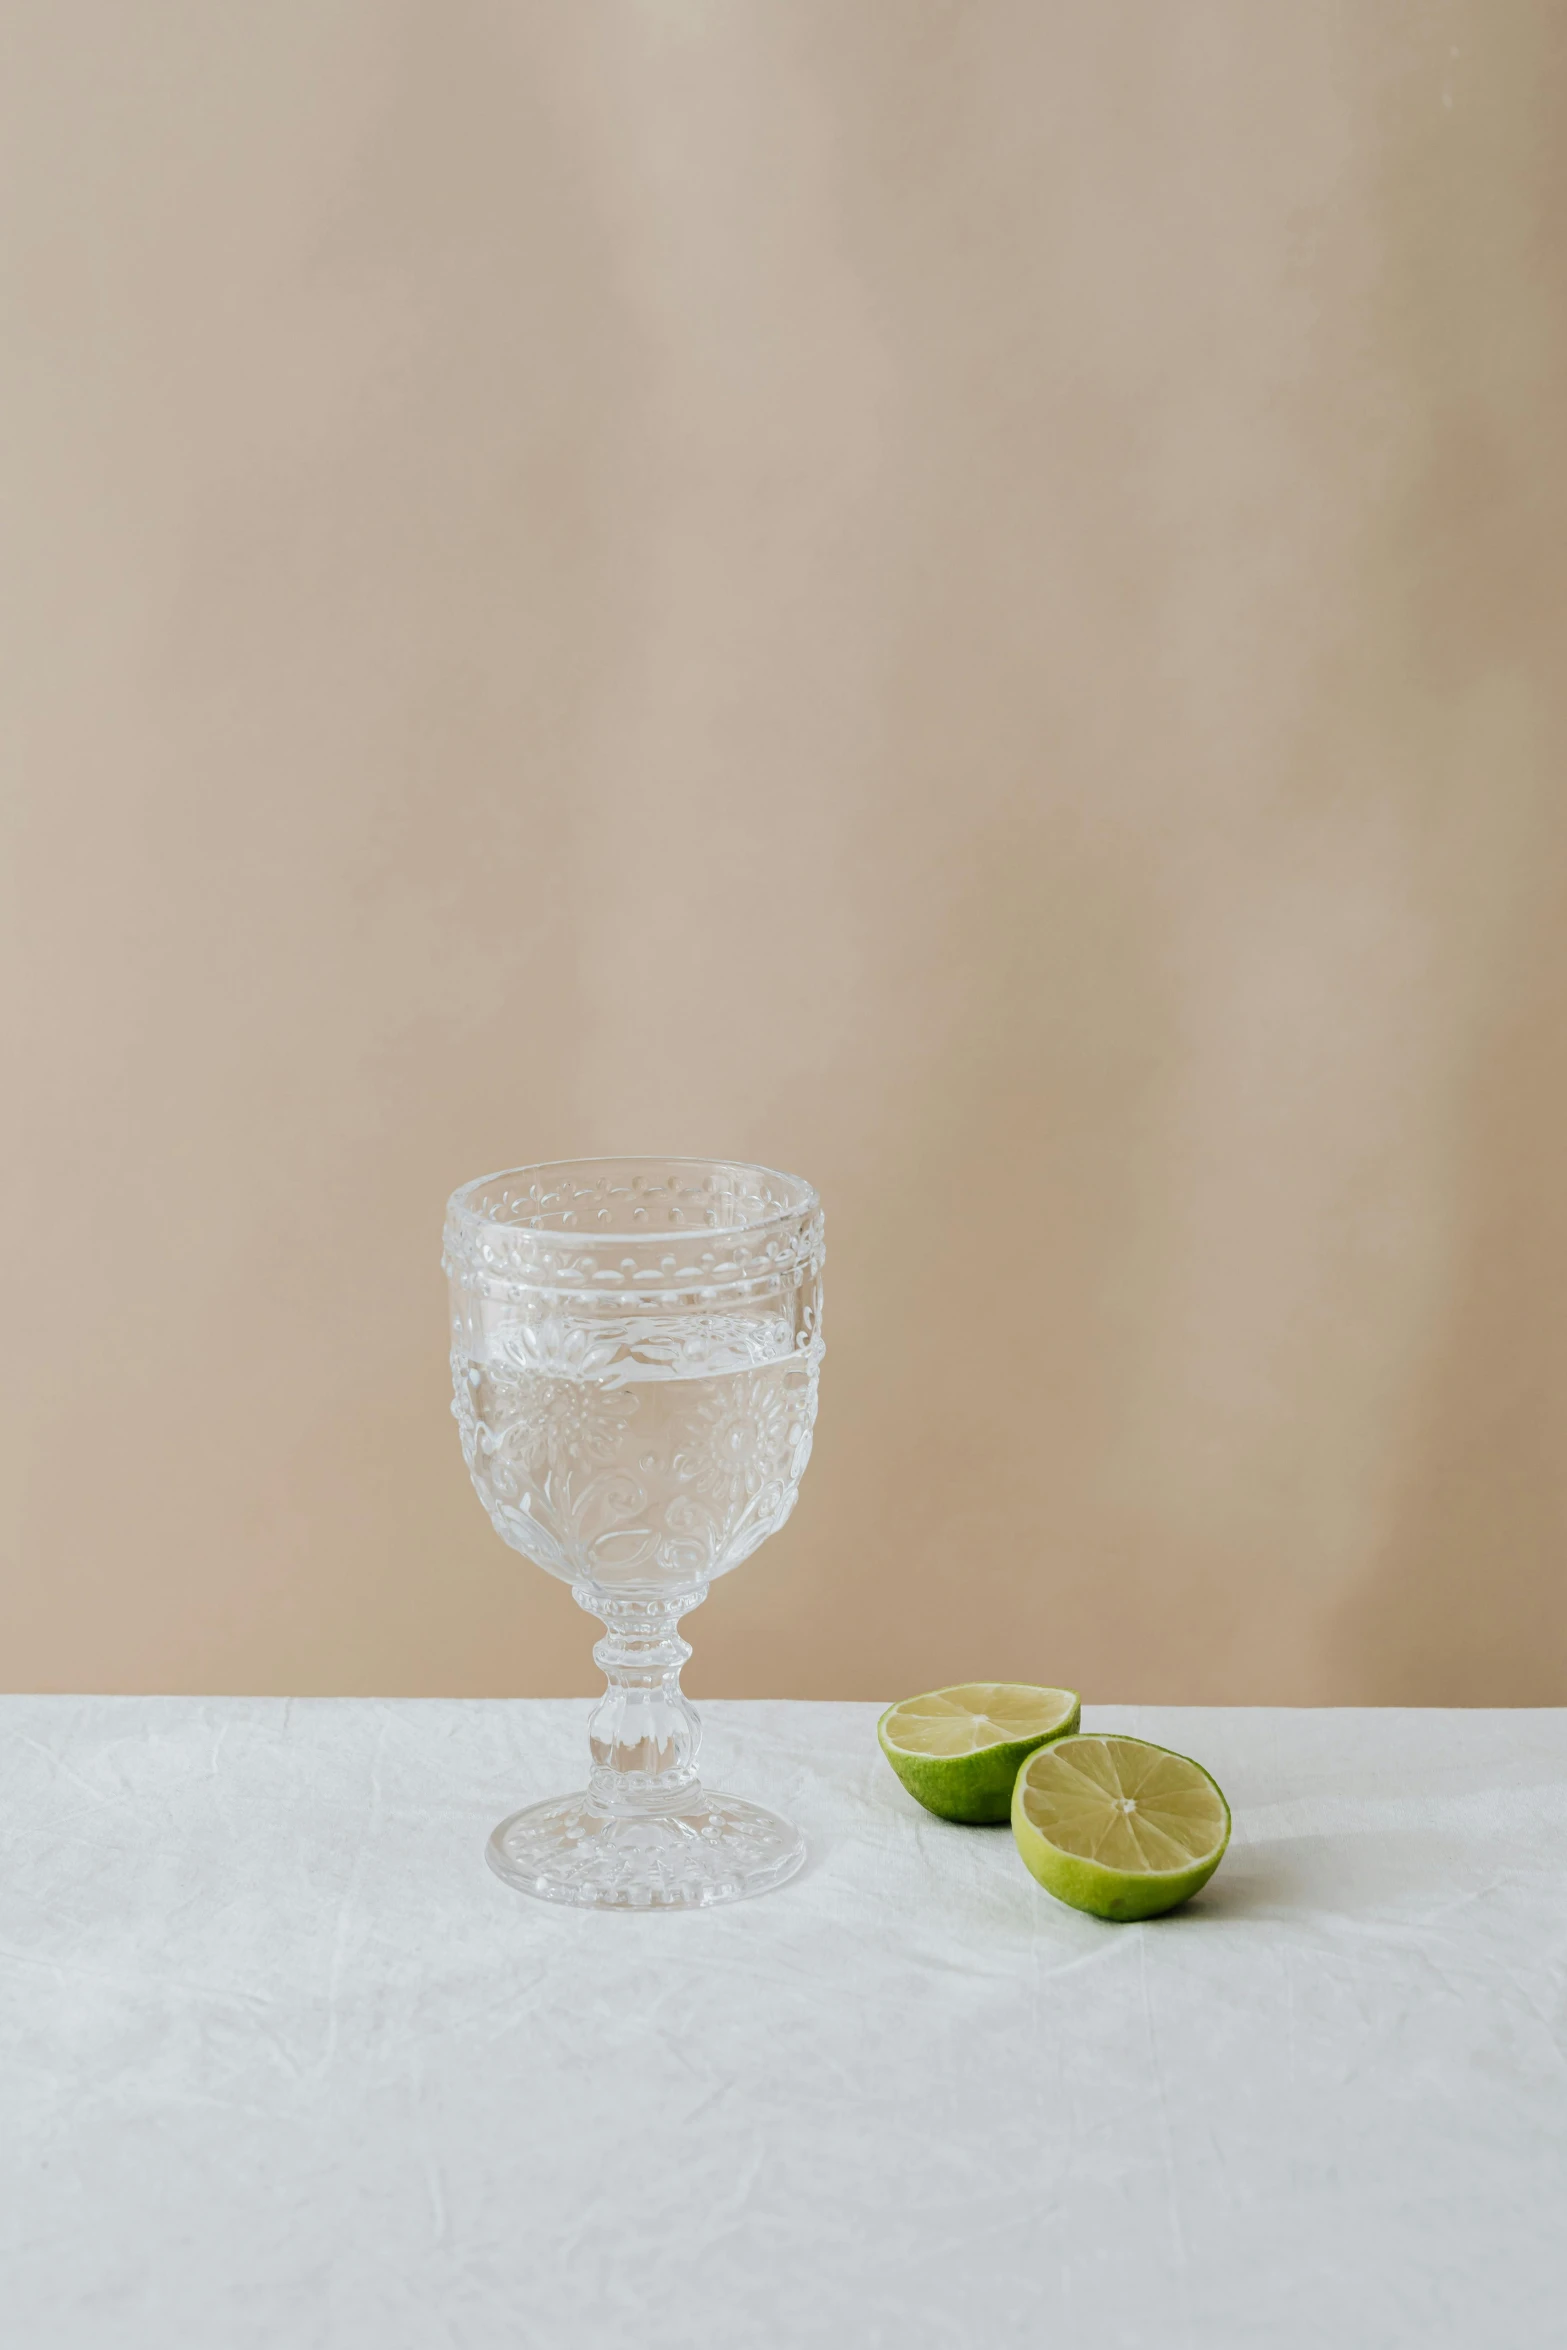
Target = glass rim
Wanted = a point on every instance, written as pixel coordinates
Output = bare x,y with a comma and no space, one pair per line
459,1205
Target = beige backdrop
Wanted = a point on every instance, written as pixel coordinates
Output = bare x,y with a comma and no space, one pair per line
965,598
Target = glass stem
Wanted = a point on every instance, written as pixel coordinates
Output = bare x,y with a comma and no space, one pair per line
644,1729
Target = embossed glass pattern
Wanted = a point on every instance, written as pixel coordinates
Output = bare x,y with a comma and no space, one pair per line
636,1346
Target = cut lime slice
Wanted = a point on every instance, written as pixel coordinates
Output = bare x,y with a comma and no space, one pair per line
957,1750
1118,1827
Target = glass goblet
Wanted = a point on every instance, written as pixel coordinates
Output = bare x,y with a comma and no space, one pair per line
636,1345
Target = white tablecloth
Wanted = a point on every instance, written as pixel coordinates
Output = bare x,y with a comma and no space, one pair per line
281,2064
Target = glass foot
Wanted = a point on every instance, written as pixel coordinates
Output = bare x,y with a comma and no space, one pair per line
712,1848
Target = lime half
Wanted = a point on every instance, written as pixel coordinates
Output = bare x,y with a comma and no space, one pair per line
957,1750
1118,1827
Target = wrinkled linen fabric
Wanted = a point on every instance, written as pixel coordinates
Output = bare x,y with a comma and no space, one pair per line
282,2064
